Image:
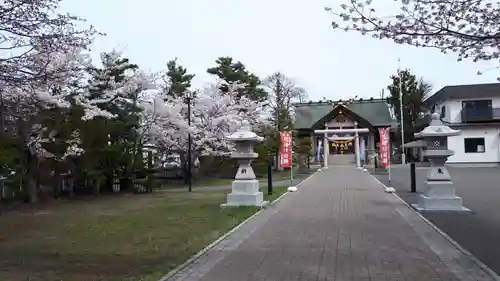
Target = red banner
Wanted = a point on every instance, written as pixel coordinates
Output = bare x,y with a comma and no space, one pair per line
286,149
384,146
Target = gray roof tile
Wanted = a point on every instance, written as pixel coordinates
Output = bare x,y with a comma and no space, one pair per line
375,111
464,91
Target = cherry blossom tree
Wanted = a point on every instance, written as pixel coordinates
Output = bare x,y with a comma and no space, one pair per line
38,112
69,115
163,124
33,29
215,114
467,28
114,141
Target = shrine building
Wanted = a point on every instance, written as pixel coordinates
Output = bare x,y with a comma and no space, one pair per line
364,117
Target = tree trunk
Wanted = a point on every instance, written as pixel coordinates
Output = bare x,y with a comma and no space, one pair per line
301,163
129,171
70,178
71,186
31,183
108,181
185,166
57,183
97,186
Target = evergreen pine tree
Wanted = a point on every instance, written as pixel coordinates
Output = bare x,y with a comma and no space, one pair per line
236,72
414,93
112,143
178,79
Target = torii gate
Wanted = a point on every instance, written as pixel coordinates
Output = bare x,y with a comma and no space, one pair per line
356,132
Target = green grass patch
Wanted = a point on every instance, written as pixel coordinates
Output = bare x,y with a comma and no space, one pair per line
212,182
127,237
277,192
156,275
277,176
113,238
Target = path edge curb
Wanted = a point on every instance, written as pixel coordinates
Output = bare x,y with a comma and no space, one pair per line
196,256
479,263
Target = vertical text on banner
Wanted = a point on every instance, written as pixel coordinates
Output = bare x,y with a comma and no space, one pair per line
384,146
286,149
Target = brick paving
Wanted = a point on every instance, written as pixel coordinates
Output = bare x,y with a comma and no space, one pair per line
340,225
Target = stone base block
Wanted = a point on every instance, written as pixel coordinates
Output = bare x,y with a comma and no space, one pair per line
439,189
264,204
245,193
245,186
426,203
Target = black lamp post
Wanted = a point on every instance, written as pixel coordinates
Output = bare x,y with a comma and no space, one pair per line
189,97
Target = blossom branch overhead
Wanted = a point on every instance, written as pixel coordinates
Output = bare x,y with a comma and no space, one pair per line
468,28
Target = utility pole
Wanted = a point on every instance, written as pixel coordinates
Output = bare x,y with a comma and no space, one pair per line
189,97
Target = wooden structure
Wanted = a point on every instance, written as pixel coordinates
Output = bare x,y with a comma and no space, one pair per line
337,125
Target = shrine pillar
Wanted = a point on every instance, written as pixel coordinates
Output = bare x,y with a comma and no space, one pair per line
326,148
356,146
341,131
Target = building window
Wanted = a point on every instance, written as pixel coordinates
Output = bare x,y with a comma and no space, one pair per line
477,110
477,104
443,111
474,145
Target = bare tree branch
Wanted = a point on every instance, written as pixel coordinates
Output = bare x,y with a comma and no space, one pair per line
283,93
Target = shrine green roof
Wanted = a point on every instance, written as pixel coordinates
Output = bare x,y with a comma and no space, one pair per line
374,111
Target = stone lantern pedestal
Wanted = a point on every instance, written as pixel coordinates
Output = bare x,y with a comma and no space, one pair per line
439,193
245,187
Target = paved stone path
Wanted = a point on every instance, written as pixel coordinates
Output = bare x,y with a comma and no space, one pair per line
476,231
340,225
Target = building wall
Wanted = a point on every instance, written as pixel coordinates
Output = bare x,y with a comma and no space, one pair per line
491,152
341,121
490,133
454,107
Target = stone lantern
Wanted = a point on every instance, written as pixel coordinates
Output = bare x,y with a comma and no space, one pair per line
245,187
439,193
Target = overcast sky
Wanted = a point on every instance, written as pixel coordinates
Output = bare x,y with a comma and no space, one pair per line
291,36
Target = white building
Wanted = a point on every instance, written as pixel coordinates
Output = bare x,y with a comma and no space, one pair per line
474,110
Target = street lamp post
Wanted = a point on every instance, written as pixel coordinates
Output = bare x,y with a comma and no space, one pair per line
189,97
401,118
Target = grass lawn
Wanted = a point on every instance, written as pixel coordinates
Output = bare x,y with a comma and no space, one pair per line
212,182
123,238
277,176
277,192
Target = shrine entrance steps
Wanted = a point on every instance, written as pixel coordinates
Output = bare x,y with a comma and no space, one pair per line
341,159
